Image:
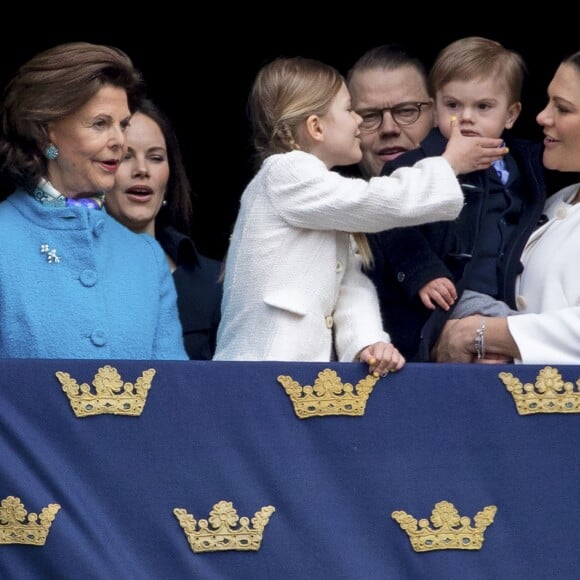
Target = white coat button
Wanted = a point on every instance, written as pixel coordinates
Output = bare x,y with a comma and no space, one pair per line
521,302
339,266
561,213
329,321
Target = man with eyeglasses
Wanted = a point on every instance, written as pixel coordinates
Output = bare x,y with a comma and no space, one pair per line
427,274
388,87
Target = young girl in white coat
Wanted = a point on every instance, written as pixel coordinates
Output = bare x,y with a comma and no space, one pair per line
294,289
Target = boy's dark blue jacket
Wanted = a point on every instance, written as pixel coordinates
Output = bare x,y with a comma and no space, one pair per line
407,258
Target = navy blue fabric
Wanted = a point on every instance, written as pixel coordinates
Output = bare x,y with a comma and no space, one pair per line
199,292
466,250
216,431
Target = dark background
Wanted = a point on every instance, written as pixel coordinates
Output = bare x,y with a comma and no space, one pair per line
200,72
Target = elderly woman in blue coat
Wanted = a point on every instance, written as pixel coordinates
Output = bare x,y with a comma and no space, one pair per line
74,283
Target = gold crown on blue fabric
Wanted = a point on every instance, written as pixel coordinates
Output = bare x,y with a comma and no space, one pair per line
550,394
450,531
112,396
224,529
17,526
328,395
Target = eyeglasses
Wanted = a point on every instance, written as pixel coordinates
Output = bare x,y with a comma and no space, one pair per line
402,114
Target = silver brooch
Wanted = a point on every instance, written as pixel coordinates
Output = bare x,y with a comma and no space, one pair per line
50,254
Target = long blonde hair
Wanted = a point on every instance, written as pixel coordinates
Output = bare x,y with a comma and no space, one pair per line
286,91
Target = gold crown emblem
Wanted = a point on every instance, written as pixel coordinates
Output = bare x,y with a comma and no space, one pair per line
449,531
17,528
550,394
328,396
112,395
224,529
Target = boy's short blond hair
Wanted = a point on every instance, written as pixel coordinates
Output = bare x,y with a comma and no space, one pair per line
475,57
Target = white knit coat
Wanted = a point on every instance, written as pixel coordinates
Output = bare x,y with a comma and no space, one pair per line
294,289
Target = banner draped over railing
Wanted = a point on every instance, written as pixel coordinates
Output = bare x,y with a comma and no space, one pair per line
222,440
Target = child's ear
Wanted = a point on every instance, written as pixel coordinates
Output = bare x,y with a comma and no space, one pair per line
513,113
314,128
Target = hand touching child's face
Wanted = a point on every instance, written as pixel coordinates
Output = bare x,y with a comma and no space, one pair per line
481,106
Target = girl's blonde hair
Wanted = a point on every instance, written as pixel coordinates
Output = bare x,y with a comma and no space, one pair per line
286,91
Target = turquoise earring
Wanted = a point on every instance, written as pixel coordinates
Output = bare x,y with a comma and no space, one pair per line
51,152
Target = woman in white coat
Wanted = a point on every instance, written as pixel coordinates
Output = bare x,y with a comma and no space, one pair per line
293,286
547,327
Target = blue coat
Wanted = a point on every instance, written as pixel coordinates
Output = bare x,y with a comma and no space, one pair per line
74,283
407,258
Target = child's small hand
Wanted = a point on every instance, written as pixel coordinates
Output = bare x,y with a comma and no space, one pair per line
438,292
382,357
467,154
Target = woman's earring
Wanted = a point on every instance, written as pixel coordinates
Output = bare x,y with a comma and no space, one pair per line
164,202
51,152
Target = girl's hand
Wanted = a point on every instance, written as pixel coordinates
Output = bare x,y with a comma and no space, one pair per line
467,154
382,357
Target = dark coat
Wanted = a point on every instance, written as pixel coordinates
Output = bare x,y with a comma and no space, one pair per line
407,258
199,292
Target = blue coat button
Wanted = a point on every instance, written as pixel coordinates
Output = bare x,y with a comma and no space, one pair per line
98,228
98,337
88,278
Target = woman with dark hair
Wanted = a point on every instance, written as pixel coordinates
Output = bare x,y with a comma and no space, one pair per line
74,283
547,327
152,195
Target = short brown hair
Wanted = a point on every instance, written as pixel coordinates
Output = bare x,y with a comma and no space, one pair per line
50,86
474,57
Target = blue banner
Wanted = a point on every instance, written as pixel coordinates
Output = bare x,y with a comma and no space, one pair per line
214,432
